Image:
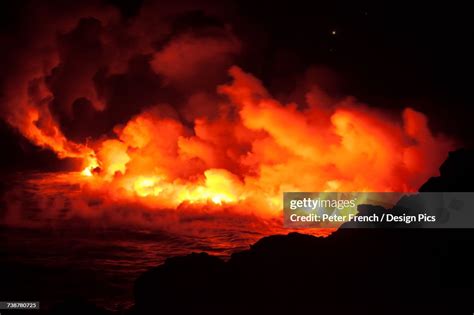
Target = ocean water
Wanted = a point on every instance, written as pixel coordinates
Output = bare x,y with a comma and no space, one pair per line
50,265
52,247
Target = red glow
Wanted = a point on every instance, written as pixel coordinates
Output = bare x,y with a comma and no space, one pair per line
258,148
170,135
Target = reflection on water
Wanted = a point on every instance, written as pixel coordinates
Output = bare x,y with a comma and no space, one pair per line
49,252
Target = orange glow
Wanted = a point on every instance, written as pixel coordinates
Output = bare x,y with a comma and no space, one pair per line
87,172
253,150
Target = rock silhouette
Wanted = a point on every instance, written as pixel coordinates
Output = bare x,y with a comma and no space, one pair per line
356,271
456,174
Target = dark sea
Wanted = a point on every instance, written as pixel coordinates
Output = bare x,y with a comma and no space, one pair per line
49,255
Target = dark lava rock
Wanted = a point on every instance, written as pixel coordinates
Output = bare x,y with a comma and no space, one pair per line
181,284
456,174
353,271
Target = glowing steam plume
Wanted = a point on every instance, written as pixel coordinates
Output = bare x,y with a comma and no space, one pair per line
257,148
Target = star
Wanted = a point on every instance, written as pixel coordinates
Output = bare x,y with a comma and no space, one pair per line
333,32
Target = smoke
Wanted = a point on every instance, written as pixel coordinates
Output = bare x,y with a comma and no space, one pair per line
74,71
147,104
257,148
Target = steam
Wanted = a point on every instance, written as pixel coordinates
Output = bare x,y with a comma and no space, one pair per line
257,148
150,110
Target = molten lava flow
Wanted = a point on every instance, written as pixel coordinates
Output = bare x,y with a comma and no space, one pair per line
257,148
